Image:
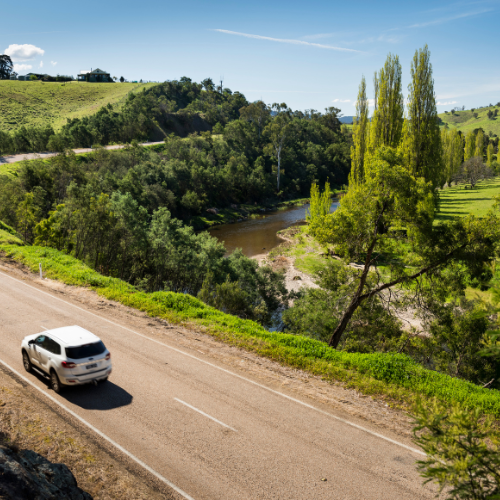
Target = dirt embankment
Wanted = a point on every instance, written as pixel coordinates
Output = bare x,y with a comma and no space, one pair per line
29,422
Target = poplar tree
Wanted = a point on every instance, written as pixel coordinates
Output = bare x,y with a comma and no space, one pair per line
359,135
470,145
479,149
422,149
453,148
387,122
489,154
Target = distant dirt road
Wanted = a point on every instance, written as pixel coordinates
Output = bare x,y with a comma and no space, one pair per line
216,429
34,156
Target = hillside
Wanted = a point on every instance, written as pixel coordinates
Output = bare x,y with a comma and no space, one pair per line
466,121
44,103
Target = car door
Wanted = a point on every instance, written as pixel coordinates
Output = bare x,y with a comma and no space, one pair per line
36,348
45,352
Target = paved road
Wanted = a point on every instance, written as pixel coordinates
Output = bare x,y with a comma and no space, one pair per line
215,433
33,156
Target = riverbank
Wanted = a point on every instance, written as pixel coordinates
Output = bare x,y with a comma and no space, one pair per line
238,213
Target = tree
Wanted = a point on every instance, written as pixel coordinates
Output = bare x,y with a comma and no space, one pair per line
362,230
479,149
463,451
453,151
470,144
360,130
6,67
122,79
208,84
387,121
115,78
422,140
278,131
489,154
257,113
473,171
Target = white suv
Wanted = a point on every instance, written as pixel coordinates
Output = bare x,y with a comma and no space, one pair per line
68,356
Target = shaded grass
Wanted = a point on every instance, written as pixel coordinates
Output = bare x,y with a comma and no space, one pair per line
458,202
51,103
393,375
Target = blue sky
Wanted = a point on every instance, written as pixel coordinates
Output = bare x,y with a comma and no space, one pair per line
309,54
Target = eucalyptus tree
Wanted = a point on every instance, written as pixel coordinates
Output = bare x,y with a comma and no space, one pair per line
278,131
6,67
257,113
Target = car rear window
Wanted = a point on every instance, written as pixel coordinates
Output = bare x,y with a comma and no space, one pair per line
85,351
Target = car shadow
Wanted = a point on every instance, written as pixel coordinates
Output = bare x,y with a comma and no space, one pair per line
104,396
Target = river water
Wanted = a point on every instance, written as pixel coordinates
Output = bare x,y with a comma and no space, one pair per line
258,236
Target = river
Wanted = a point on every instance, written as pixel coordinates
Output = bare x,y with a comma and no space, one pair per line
258,236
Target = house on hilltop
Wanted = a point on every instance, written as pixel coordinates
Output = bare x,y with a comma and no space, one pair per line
96,75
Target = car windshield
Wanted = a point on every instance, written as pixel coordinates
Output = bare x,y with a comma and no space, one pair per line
85,351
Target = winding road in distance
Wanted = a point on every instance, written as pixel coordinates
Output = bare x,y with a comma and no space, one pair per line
33,156
211,430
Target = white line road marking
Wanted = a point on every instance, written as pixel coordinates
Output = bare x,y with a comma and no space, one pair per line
205,414
97,431
43,327
340,419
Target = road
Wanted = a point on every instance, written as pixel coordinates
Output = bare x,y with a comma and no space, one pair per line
32,156
216,433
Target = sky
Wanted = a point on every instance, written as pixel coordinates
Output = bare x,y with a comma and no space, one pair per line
308,54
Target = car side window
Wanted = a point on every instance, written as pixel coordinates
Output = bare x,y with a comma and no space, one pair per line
40,340
55,348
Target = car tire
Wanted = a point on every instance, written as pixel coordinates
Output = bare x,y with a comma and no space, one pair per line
27,363
55,383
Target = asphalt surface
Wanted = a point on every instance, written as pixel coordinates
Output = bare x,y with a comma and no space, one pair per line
33,156
212,433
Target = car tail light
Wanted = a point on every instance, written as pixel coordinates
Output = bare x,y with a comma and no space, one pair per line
108,356
68,364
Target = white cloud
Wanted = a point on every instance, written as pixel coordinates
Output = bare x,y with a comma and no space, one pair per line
371,103
341,100
286,40
439,103
24,52
53,63
22,67
41,64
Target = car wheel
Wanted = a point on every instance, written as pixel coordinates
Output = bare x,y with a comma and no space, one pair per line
26,362
55,385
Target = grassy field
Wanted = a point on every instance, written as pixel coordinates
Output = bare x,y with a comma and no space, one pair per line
465,120
457,201
51,103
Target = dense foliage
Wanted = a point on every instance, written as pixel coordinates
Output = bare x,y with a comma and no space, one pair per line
122,211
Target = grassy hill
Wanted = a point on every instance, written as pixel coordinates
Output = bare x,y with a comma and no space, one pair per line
466,121
51,103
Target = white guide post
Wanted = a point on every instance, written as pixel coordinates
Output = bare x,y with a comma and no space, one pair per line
40,267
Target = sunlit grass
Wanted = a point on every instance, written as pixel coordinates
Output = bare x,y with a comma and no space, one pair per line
52,103
458,201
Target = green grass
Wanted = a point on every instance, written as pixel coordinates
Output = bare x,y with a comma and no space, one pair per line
457,201
465,121
393,375
51,103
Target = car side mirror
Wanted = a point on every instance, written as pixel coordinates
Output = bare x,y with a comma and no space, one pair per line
31,342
